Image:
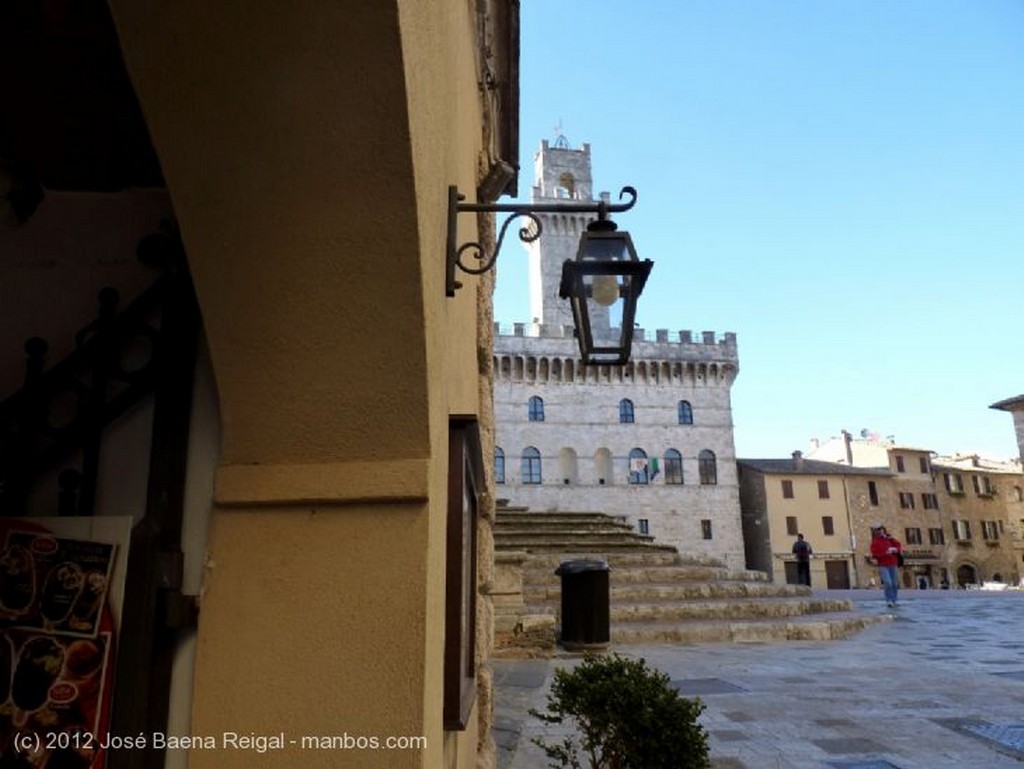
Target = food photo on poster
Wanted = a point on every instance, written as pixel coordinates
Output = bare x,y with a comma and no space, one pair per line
61,588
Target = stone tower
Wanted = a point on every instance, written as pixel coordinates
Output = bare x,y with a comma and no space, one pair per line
651,440
563,174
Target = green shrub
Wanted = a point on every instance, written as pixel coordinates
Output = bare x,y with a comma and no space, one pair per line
627,716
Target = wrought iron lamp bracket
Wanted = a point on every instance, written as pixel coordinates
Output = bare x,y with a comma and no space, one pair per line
527,234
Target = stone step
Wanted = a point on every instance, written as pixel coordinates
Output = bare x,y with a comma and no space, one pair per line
685,611
674,591
650,574
567,528
595,537
629,558
572,547
656,594
733,608
821,627
503,517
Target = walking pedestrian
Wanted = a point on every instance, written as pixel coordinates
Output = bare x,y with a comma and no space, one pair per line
802,551
886,550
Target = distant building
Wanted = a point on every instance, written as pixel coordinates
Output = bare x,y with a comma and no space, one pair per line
651,440
960,518
983,502
831,504
1016,407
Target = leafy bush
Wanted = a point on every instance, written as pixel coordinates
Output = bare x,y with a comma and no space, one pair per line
627,716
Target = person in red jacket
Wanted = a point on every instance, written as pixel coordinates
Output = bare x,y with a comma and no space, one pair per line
886,549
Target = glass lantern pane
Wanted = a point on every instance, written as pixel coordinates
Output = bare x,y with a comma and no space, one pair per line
605,249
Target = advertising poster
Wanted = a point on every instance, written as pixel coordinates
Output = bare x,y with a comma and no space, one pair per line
61,592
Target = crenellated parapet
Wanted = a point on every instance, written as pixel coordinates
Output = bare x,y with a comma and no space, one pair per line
548,353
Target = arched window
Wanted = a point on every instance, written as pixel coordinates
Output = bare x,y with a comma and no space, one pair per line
625,411
567,183
685,413
529,468
499,465
638,466
673,467
708,468
536,409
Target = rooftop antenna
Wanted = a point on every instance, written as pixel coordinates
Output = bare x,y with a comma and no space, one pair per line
560,141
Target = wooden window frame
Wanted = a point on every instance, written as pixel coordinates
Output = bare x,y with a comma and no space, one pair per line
465,484
673,467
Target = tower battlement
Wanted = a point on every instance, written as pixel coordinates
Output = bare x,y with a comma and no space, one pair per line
684,342
540,349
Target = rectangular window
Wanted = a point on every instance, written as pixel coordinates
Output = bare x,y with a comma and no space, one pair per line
791,528
822,489
828,525
936,536
976,482
907,500
924,465
873,493
989,530
962,530
787,489
899,464
930,501
705,528
913,536
643,526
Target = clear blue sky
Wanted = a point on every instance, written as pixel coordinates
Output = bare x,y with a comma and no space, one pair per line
839,182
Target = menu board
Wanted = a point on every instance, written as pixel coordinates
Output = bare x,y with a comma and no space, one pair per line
61,589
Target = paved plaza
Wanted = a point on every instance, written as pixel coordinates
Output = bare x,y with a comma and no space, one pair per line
939,687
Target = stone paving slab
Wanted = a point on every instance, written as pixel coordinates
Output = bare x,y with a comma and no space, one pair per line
938,688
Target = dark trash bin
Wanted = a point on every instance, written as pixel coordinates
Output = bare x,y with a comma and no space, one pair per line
585,612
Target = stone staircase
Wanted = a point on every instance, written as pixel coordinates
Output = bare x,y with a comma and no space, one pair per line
657,595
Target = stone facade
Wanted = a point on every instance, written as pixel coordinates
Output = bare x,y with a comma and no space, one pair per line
586,450
983,504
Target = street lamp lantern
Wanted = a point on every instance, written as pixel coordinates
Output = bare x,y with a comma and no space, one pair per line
602,284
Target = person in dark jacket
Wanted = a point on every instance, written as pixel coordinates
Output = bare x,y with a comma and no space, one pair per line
886,550
802,551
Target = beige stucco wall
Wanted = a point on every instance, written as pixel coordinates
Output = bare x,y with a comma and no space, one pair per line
808,509
308,147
